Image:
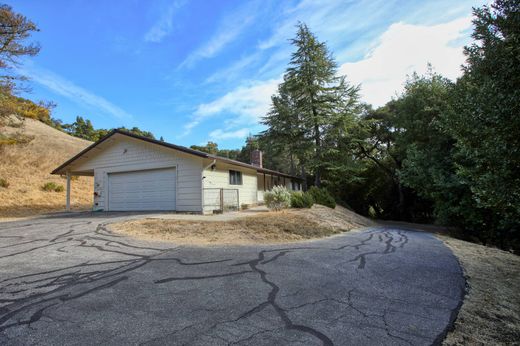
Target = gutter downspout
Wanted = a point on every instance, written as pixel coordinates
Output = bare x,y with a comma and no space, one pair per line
214,162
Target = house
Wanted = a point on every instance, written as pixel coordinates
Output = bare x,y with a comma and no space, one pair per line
135,173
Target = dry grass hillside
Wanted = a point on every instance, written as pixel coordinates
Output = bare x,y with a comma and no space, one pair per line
27,167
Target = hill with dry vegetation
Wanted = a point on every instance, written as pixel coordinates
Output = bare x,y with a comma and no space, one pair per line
26,167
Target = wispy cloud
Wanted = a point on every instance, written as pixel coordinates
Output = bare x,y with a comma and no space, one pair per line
404,49
327,19
164,25
234,70
73,92
230,28
245,104
220,134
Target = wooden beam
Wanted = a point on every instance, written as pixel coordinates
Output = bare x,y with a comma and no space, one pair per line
68,191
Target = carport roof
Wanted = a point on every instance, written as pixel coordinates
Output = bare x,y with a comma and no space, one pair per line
63,168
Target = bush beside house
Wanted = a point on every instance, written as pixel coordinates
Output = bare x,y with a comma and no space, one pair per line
322,196
278,198
301,200
281,198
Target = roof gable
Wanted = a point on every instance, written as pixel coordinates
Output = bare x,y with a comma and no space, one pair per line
63,168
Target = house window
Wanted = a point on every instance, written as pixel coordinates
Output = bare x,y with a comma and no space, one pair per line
235,178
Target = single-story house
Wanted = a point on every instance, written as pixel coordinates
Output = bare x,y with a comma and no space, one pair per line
135,173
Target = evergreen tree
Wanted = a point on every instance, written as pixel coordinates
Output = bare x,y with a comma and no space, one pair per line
312,104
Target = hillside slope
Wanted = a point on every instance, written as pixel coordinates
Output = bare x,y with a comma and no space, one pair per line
27,167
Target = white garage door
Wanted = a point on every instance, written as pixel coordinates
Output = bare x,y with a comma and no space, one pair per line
142,190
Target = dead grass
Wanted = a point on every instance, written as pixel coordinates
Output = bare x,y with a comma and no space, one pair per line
490,314
27,167
268,227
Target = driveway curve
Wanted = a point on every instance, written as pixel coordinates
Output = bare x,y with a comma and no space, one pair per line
69,280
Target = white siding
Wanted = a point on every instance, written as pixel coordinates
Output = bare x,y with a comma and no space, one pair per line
219,178
123,153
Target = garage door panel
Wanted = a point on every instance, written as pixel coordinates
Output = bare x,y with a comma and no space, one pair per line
142,190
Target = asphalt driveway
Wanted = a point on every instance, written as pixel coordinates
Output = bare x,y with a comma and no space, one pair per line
68,280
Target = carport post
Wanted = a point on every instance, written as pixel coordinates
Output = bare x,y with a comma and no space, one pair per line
68,191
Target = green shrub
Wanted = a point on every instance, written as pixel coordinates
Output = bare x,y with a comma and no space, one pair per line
322,196
52,186
278,198
4,183
301,200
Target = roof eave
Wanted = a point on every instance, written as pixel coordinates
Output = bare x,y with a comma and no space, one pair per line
60,169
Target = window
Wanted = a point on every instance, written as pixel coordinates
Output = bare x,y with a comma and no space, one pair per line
235,178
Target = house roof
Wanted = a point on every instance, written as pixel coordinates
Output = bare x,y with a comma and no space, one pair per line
60,169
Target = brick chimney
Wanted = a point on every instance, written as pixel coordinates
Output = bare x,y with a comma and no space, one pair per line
256,158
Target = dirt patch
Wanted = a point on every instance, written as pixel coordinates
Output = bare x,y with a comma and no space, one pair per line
267,227
490,314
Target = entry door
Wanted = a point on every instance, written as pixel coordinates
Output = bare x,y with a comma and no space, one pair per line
142,190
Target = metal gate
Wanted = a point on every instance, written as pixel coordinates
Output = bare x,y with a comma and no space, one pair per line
221,200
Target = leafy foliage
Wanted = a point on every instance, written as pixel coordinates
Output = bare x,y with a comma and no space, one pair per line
485,122
301,199
52,187
212,148
321,196
278,198
15,29
4,183
83,128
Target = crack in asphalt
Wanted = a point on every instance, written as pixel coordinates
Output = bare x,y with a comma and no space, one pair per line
27,298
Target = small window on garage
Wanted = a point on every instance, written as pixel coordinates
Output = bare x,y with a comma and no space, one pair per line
235,177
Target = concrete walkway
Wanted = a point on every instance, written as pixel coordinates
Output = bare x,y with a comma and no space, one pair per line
227,216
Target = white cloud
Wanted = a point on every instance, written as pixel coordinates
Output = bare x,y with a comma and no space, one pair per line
230,28
233,70
220,134
404,49
164,26
247,103
73,92
327,19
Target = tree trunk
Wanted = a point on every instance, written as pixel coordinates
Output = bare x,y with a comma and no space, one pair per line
293,169
304,177
400,205
317,176
317,140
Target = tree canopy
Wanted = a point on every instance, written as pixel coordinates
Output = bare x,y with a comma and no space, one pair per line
442,151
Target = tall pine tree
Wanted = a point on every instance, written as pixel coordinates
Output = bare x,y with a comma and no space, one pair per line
312,103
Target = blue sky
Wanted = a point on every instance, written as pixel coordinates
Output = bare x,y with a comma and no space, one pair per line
193,71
